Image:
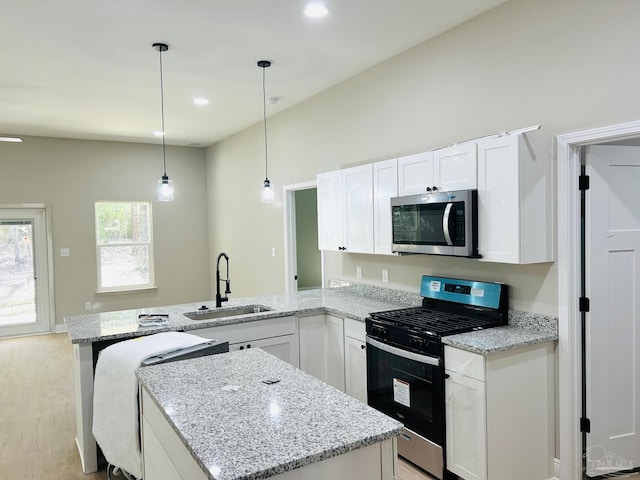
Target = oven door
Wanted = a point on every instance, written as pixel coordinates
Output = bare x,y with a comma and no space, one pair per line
407,386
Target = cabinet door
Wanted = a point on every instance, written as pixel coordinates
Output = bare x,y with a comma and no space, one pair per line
330,211
415,173
498,199
335,352
385,186
358,208
466,426
322,348
313,346
356,368
284,347
456,167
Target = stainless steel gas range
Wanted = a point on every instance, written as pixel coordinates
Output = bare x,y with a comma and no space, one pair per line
405,360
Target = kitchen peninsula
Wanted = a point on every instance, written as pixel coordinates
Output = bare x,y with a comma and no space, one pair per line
248,415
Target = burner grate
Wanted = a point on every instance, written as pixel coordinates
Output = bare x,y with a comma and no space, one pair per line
431,322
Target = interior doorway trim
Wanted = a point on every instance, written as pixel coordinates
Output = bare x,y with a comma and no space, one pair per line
290,254
568,195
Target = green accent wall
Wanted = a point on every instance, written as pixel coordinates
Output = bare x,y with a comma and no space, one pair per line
308,255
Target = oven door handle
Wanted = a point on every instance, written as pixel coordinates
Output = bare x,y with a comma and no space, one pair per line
429,360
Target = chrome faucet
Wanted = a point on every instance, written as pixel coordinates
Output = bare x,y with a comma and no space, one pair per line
219,298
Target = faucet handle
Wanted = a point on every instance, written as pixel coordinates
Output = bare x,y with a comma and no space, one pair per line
228,286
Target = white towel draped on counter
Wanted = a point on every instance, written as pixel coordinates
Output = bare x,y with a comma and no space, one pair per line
115,395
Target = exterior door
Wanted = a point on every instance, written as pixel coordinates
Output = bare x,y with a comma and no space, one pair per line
24,286
613,322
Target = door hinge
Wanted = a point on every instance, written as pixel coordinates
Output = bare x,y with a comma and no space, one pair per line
583,304
583,182
585,425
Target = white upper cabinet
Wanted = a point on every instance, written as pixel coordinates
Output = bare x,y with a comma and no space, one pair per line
330,211
358,200
456,167
385,186
415,173
446,169
345,210
513,202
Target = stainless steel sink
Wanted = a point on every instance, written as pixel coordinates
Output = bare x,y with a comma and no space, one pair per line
226,312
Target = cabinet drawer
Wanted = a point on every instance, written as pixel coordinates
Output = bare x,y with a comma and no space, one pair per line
247,331
465,363
354,329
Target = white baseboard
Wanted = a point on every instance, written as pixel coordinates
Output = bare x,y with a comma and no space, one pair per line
61,328
556,469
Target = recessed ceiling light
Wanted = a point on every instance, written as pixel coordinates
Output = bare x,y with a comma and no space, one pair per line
200,101
316,10
158,133
11,139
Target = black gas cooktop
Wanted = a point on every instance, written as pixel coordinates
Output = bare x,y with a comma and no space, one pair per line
432,322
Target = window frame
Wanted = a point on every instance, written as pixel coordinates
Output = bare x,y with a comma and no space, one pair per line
151,284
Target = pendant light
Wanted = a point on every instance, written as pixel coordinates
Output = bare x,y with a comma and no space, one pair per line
267,192
165,186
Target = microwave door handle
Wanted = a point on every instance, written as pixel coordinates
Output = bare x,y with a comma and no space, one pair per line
446,223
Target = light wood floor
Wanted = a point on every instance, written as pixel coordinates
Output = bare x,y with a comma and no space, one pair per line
37,412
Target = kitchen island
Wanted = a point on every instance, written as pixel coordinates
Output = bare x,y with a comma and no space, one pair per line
248,415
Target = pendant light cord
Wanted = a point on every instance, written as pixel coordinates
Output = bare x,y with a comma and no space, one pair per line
164,153
264,116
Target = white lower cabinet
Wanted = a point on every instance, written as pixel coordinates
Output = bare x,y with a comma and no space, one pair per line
500,413
277,336
322,348
355,359
333,350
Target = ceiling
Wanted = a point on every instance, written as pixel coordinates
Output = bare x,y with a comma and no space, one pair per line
86,69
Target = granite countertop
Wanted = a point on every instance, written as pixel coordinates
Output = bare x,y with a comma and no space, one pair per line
356,302
523,329
124,323
275,428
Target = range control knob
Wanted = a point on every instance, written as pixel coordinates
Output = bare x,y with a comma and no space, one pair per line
417,343
379,332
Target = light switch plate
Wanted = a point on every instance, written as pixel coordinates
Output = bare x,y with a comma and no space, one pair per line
65,252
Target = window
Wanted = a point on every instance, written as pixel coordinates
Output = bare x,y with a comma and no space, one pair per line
124,246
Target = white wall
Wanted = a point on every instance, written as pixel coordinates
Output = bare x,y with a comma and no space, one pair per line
567,65
71,175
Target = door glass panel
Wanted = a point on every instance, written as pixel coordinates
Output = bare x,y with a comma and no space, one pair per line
17,283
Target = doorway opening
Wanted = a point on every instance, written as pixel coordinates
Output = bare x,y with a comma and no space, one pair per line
303,260
576,454
25,266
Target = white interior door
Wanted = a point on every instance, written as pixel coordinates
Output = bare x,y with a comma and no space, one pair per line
24,285
613,286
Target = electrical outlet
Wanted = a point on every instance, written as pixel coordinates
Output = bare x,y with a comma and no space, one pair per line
385,275
358,272
87,305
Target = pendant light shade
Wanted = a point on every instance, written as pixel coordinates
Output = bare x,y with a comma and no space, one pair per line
165,186
267,192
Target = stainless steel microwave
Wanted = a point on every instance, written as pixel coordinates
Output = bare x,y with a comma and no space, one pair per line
436,223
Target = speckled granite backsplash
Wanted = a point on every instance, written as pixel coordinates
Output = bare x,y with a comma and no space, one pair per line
533,321
380,293
527,320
